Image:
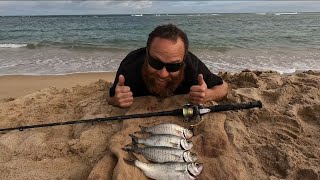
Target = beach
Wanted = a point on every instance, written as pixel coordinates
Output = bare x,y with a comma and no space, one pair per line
55,69
20,85
278,141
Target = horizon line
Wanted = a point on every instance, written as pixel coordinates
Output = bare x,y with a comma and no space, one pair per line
116,14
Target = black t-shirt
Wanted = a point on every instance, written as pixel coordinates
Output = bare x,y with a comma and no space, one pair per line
131,68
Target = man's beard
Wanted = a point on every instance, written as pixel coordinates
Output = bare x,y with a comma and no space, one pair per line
156,89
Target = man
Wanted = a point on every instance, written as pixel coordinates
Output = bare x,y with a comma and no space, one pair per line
165,68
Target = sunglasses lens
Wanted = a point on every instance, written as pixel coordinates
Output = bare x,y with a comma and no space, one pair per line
173,67
156,64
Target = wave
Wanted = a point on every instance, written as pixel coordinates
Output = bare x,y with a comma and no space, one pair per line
10,45
216,49
261,13
58,45
288,13
136,14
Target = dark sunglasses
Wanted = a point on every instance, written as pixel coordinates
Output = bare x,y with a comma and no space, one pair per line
158,65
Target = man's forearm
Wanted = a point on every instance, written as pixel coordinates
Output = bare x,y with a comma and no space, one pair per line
217,93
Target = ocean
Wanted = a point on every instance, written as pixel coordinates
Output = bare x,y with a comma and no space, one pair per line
55,45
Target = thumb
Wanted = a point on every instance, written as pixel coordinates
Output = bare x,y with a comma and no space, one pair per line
121,80
201,80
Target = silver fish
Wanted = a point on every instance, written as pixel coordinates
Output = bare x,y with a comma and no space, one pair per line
166,140
168,128
164,154
169,171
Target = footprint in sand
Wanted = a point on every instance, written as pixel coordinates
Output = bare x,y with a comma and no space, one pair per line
306,174
310,114
280,126
273,160
286,127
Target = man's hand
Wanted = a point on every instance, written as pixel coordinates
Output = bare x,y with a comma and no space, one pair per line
123,96
198,93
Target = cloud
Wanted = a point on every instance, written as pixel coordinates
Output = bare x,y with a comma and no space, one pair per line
273,6
71,7
117,4
135,6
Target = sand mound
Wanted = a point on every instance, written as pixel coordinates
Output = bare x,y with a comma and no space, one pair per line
279,141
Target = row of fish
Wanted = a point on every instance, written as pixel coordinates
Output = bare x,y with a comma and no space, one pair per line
168,148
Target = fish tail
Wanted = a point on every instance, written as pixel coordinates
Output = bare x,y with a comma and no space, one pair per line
192,129
143,128
132,148
128,148
131,159
135,139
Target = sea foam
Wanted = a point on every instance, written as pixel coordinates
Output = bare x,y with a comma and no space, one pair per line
12,45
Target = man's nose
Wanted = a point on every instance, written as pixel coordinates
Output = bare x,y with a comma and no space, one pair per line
163,73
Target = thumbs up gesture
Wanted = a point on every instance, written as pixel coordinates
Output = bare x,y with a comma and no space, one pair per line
123,96
198,93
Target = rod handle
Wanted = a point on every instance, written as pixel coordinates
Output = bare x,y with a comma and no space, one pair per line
237,106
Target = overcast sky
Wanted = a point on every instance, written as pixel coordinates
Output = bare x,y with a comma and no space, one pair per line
141,7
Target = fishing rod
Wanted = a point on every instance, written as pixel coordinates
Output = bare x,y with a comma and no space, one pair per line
189,112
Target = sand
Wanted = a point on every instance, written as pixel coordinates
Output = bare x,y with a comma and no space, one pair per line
279,141
13,86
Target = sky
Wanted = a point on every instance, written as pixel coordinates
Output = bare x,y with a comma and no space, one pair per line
81,7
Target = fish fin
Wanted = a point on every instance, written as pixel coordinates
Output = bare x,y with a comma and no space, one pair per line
180,170
174,144
177,157
179,132
134,139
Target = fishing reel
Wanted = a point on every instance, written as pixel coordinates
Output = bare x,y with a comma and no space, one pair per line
193,112
190,112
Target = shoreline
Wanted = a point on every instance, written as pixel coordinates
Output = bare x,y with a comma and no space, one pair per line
15,86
